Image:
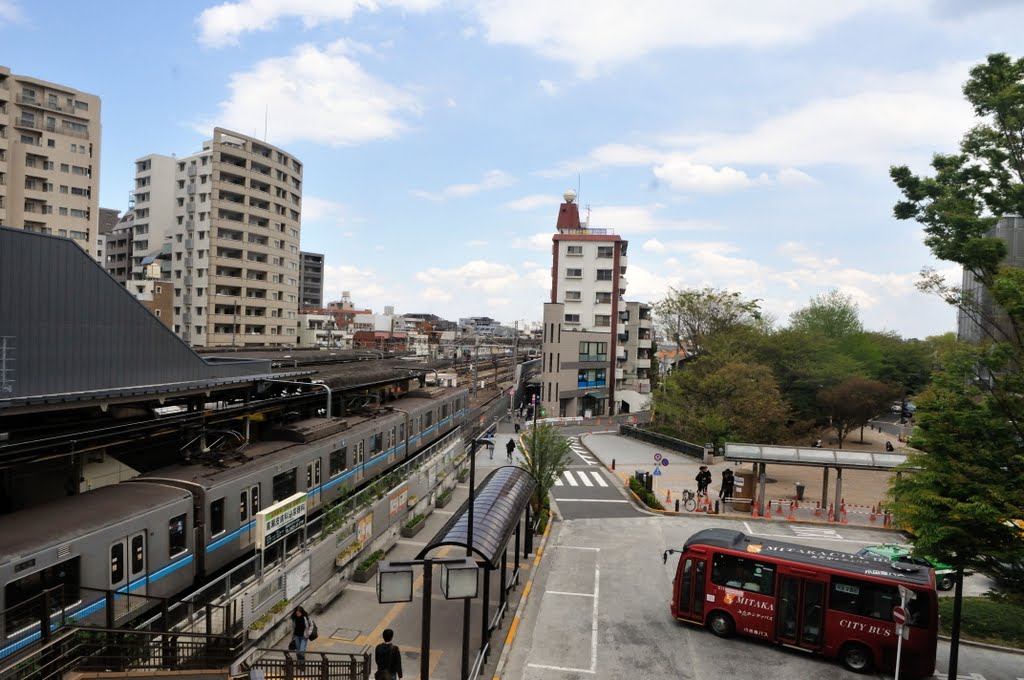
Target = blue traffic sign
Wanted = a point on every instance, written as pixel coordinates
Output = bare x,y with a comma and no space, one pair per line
657,472
664,461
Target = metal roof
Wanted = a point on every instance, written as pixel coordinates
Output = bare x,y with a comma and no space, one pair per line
813,457
497,506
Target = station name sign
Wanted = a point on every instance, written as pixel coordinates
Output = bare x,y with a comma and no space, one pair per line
279,520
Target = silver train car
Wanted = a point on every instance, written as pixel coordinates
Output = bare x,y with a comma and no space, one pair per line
161,533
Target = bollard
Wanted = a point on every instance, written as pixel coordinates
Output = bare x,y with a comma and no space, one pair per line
613,464
716,507
677,505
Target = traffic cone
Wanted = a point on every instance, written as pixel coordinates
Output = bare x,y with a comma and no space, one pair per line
831,512
842,514
792,507
768,512
753,508
817,508
668,496
887,519
871,517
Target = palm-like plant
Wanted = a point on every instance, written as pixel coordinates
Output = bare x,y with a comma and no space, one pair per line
546,457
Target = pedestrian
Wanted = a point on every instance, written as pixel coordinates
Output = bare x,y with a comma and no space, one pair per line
509,448
303,630
889,446
703,479
728,479
517,426
817,444
388,658
490,450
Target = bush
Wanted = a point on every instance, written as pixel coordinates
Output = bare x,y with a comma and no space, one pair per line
411,524
443,495
996,620
269,616
354,548
371,560
648,498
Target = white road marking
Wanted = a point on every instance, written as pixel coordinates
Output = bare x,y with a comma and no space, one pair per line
558,482
569,478
560,668
599,478
593,625
578,547
585,479
585,500
814,532
562,592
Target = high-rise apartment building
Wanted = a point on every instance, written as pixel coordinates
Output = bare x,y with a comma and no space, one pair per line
49,159
987,321
582,330
633,358
235,245
311,280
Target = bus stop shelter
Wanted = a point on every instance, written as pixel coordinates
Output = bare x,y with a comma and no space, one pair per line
763,454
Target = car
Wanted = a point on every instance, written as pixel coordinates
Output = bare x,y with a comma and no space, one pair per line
945,575
896,406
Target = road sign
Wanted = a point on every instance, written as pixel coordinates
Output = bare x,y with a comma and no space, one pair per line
631,420
657,457
511,391
664,461
899,615
657,472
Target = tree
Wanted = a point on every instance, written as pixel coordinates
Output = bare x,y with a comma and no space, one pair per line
690,316
722,400
853,403
833,314
958,503
546,459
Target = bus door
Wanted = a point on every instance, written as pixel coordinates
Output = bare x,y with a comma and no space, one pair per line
690,587
801,610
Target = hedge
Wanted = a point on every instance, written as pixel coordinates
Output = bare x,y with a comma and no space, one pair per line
649,499
993,619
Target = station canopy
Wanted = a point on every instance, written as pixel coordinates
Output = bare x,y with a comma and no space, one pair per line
813,457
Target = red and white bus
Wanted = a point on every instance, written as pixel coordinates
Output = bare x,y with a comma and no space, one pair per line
831,603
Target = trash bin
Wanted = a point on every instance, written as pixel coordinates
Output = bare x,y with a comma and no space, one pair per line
799,491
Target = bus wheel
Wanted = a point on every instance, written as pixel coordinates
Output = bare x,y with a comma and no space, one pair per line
946,582
721,624
856,657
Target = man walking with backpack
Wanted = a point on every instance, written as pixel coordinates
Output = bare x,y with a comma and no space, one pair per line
388,658
510,447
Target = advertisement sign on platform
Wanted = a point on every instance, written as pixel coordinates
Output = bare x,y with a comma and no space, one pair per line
398,499
279,520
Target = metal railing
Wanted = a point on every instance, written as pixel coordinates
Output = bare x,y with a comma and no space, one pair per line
678,445
278,663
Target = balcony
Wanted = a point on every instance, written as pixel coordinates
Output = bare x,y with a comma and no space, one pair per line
186,299
643,363
188,280
644,343
192,170
189,245
190,207
619,373
186,317
190,189
188,263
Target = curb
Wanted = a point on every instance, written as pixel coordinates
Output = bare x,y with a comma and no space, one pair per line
527,589
985,645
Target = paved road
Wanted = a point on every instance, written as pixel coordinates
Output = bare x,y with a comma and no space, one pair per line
603,611
585,489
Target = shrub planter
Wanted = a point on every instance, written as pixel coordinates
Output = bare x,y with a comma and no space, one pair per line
347,554
463,475
367,569
414,526
443,498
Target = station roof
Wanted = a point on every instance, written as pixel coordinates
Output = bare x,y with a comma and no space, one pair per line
813,457
497,505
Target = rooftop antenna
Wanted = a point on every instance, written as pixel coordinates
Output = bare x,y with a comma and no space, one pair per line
588,216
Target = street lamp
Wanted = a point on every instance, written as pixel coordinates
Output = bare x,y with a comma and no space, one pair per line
458,581
466,608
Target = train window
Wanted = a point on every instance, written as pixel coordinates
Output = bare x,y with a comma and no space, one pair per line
313,474
138,549
391,439
401,432
22,608
358,453
285,484
176,538
338,462
316,472
376,443
254,497
429,416
217,517
444,411
243,506
116,564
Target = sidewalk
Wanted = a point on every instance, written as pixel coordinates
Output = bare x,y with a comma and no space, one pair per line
863,490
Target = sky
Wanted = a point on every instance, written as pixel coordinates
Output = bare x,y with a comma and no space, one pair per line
737,144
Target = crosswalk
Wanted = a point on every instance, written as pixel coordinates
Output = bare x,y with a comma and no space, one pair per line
581,451
581,477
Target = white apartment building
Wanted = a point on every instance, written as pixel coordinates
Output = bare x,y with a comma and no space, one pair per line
582,329
49,159
153,216
235,247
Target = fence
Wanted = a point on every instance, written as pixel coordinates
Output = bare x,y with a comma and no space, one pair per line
277,663
664,441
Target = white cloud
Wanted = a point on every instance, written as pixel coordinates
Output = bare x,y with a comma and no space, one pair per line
607,155
450,103
532,202
223,24
654,245
315,95
792,177
478,275
640,219
476,243
682,174
316,209
541,241
9,11
364,284
492,179
549,87
592,36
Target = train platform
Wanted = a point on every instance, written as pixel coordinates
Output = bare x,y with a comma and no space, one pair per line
864,492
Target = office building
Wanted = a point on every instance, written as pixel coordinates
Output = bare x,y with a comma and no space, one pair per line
582,330
49,159
311,280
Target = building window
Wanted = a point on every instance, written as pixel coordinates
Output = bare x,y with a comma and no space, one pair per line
603,298
575,251
604,274
573,296
572,319
593,351
574,274
602,320
587,378
605,251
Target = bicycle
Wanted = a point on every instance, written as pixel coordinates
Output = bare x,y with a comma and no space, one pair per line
688,500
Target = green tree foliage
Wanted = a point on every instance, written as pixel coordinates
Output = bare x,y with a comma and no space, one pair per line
546,458
833,314
689,317
852,403
714,400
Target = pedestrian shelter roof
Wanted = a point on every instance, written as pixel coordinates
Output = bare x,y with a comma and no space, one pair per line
813,457
498,504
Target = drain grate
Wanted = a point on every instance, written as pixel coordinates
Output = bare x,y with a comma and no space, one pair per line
346,634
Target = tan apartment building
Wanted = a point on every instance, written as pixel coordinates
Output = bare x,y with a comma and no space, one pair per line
49,159
235,247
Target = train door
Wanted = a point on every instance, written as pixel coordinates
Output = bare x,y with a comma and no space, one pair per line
801,611
357,461
313,484
690,587
128,571
248,506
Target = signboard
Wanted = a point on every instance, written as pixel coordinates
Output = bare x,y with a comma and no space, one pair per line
657,458
657,472
279,520
398,499
297,579
664,461
899,615
365,528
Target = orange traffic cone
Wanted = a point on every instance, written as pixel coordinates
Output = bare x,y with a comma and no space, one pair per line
842,514
792,507
768,511
817,508
753,508
871,517
831,512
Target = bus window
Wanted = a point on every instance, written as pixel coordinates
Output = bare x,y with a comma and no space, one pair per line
863,598
740,572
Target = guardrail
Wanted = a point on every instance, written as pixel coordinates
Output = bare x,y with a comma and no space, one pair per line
279,663
664,441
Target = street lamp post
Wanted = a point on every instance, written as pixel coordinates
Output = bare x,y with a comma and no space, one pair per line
466,607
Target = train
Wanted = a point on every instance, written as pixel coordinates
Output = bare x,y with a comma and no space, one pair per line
163,532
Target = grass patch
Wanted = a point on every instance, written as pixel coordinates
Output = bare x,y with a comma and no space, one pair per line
995,620
648,497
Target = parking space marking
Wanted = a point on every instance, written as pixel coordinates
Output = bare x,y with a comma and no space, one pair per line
593,622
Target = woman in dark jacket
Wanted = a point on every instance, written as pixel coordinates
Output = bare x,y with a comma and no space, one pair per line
302,626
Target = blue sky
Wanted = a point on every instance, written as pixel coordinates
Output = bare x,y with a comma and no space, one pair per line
742,145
